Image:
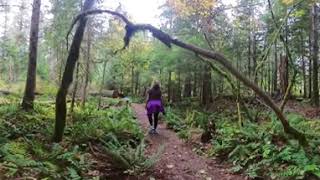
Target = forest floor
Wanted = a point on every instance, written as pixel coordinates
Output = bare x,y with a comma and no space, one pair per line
178,161
304,109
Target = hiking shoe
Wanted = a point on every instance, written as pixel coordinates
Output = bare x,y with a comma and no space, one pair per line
151,131
154,131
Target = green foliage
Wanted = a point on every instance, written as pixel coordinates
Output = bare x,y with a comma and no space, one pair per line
26,148
131,159
174,121
263,150
93,124
260,150
184,123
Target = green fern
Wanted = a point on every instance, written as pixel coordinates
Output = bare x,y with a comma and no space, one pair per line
133,160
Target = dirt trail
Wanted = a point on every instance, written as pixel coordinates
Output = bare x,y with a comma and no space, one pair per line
178,161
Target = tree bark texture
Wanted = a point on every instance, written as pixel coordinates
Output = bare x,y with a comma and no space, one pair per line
315,51
61,106
29,93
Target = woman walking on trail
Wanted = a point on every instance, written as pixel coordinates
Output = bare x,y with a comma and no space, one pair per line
154,106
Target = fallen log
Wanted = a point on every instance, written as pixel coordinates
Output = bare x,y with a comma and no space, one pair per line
107,93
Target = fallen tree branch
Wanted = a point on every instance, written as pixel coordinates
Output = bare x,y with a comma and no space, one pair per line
131,29
233,87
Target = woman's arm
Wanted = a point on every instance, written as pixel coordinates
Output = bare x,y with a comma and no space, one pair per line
147,99
161,98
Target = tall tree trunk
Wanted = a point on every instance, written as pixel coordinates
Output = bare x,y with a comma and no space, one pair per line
187,86
102,82
303,67
284,80
275,74
315,51
249,55
137,83
132,79
269,77
304,77
310,67
87,69
27,102
206,86
178,91
169,87
195,84
254,58
75,88
11,71
61,106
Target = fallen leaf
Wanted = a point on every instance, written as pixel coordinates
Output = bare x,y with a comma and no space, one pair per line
202,171
170,166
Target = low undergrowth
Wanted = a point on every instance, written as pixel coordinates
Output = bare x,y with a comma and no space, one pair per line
261,150
97,143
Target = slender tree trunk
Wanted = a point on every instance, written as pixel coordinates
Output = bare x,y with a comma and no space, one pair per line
59,66
61,106
102,83
304,77
284,80
275,74
187,86
254,58
269,86
10,71
137,83
178,92
206,86
303,67
249,55
315,51
169,87
87,69
132,79
27,102
310,67
75,88
195,84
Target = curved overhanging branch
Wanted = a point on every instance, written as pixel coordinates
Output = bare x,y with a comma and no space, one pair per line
131,29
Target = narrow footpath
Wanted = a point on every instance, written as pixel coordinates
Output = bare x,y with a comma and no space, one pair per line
178,161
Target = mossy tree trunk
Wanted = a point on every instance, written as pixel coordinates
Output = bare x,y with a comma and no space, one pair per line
61,106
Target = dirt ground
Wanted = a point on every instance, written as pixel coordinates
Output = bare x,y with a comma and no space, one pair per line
178,161
304,109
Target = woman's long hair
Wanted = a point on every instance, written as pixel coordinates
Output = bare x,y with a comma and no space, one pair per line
156,85
155,90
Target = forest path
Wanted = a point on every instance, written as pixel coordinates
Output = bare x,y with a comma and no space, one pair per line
178,161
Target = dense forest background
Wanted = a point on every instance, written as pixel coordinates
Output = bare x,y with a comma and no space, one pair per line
65,71
247,34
